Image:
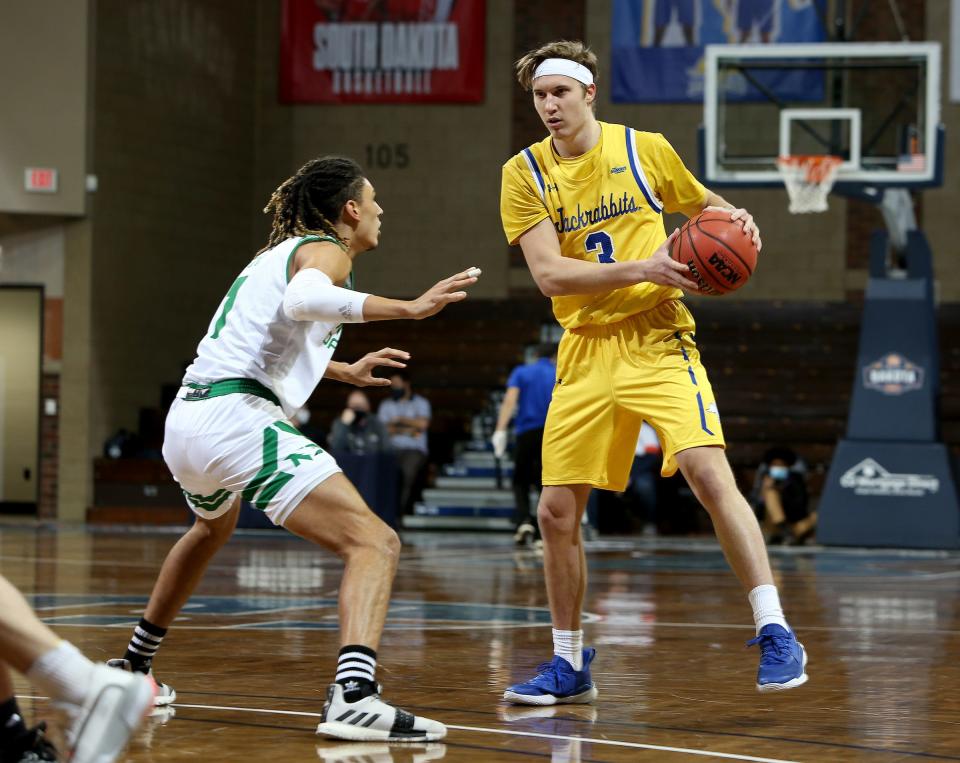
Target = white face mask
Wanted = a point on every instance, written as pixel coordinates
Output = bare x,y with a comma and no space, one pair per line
302,416
779,472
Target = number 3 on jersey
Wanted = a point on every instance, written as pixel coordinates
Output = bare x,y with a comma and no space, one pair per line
600,243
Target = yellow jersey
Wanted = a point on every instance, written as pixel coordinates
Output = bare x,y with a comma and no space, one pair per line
607,206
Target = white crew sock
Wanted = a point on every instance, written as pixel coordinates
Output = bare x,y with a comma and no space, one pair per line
569,645
63,673
766,607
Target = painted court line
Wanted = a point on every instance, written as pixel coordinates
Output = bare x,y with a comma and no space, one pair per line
508,732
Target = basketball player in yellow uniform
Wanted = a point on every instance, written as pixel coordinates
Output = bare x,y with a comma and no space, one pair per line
585,205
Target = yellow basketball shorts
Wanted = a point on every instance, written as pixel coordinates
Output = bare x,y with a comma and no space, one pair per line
611,378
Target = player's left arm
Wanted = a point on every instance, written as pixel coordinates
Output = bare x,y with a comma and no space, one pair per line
360,373
716,202
679,190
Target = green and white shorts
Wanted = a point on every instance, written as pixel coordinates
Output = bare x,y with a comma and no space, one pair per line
221,446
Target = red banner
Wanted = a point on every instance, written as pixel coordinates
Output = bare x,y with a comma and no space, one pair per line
382,51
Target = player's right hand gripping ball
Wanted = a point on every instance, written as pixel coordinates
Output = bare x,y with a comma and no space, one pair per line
721,257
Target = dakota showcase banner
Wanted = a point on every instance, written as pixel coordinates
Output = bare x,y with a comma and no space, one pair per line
657,45
382,51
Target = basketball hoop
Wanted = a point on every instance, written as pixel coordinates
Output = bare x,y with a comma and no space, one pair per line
808,178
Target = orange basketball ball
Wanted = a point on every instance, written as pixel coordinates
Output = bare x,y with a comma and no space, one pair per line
721,257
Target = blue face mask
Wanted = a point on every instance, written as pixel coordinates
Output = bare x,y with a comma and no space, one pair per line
779,472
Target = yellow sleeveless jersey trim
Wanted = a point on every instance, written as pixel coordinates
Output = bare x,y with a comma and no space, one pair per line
606,206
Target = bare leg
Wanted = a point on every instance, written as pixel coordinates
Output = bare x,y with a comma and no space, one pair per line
773,505
6,683
334,516
564,563
805,525
185,565
23,638
709,475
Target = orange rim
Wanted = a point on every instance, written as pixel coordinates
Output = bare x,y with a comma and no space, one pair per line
817,167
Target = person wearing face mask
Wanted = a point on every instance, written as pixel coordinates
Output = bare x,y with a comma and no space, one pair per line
303,421
782,498
356,431
407,418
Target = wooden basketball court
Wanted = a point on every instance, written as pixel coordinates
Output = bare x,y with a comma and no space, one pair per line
252,654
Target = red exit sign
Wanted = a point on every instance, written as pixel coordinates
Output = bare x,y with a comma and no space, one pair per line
40,179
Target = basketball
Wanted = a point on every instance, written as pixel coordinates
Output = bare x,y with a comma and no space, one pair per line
719,255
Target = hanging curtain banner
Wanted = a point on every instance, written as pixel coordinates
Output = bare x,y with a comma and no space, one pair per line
382,51
657,45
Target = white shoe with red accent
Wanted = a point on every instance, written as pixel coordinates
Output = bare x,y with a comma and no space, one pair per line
165,693
115,705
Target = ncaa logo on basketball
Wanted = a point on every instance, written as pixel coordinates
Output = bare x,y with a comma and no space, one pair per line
893,374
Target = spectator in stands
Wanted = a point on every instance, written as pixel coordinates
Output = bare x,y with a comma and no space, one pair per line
356,431
407,418
302,420
781,498
122,444
529,389
645,476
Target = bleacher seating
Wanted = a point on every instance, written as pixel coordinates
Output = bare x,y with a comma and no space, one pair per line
782,371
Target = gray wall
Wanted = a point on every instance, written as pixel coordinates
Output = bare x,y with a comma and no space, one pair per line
189,140
173,153
940,206
43,78
441,212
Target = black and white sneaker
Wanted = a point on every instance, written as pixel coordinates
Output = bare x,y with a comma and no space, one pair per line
524,534
165,693
115,705
31,747
372,720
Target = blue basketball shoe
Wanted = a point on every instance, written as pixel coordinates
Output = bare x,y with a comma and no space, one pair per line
556,683
783,660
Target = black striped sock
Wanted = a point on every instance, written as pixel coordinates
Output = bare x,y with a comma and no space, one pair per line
356,672
144,645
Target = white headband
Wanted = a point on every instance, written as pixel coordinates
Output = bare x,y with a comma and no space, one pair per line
566,67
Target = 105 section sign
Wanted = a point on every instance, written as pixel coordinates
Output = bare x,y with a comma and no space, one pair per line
382,51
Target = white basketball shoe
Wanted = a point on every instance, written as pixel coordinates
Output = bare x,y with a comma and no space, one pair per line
372,720
165,693
114,707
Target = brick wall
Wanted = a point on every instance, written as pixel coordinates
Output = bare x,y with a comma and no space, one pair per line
49,448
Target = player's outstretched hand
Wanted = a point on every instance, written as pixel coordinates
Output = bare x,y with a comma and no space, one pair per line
360,373
443,293
747,222
662,269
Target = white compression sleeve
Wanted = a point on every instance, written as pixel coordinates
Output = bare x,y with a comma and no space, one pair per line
311,296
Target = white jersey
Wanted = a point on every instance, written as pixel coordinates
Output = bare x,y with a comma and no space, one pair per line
250,337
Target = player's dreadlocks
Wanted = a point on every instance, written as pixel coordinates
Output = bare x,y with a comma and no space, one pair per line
309,202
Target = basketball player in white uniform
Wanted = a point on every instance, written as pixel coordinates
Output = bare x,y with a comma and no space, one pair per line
228,437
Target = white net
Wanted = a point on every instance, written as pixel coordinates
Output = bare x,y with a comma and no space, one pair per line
808,179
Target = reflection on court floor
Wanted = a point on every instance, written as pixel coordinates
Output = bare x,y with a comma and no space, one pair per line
252,653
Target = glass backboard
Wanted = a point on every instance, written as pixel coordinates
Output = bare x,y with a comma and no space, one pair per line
874,105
